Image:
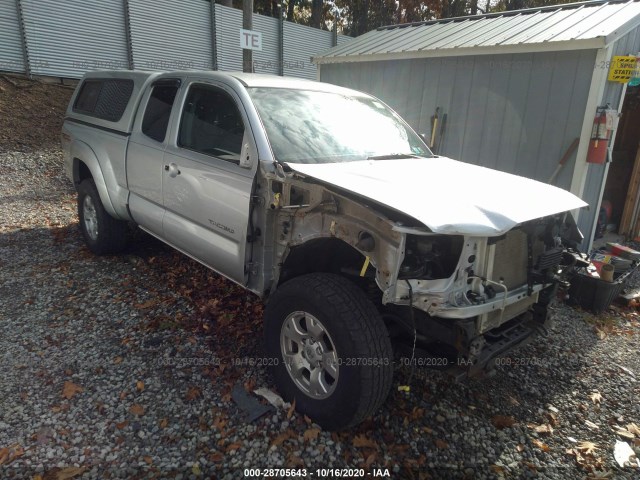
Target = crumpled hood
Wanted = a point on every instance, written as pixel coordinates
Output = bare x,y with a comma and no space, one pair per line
446,195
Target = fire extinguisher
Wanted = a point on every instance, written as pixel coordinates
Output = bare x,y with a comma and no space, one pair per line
599,140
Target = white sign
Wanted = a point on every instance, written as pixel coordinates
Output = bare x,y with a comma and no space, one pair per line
250,40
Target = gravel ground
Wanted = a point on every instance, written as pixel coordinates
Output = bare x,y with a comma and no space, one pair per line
122,367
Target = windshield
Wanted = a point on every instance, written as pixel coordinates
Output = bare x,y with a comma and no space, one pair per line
306,126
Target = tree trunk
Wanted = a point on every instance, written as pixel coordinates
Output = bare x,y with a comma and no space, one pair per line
290,6
473,7
316,13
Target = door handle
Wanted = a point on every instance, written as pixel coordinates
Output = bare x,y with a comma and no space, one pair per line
173,170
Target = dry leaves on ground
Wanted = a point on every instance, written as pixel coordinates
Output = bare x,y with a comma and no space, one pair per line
70,389
137,409
503,421
9,454
311,434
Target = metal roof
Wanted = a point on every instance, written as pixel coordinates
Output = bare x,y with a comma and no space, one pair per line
574,26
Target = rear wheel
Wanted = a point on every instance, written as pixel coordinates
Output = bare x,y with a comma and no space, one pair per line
102,233
330,349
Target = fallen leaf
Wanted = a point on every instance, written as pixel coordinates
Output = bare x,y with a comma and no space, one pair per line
441,444
370,460
294,461
553,419
148,459
542,446
122,425
137,409
292,409
503,421
195,469
283,437
163,423
544,428
216,457
147,304
65,473
633,428
360,441
233,446
513,400
520,447
70,389
591,425
596,397
311,434
140,385
587,447
193,393
117,360
219,423
625,434
123,395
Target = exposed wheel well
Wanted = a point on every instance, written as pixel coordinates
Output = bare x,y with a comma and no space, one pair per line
80,171
330,255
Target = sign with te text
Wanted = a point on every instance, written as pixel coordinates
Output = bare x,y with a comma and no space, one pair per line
250,40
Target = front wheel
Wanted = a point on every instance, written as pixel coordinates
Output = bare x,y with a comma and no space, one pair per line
331,351
102,233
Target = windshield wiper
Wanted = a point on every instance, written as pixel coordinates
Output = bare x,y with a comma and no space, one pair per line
392,156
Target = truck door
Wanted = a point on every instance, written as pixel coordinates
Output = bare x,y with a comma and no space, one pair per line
206,188
145,155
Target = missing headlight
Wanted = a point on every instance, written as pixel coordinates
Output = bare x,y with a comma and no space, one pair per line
431,257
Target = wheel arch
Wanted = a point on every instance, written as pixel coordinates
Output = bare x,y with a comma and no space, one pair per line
326,255
86,165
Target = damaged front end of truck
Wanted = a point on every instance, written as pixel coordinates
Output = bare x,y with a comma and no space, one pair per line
456,289
472,299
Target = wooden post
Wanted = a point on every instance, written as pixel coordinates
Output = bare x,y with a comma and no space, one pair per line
627,220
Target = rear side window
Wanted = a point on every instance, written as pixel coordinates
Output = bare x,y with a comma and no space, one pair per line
211,123
104,98
158,111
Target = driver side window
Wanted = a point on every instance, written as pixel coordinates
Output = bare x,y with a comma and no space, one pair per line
211,123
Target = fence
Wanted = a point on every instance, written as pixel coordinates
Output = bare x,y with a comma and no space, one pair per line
68,38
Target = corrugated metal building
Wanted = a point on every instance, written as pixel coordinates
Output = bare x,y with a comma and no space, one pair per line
517,87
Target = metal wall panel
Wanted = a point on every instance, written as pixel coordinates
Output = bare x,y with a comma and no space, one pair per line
65,39
170,35
498,113
11,58
228,25
300,44
267,60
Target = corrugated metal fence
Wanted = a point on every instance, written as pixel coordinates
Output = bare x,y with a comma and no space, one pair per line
66,39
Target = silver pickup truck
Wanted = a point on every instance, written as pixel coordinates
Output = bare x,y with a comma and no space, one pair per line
325,203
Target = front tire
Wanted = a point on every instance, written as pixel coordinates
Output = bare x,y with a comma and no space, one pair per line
102,233
330,349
